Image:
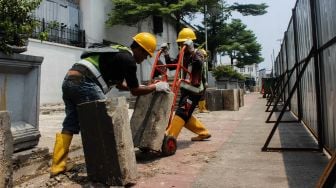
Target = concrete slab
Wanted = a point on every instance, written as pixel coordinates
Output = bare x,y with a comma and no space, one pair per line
6,150
214,99
150,119
241,97
230,99
107,142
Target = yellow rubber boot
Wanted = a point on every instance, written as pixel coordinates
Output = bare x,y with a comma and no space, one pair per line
201,107
61,150
195,126
175,126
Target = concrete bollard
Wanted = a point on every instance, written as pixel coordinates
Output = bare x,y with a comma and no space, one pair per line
150,119
107,142
214,99
6,151
241,97
231,99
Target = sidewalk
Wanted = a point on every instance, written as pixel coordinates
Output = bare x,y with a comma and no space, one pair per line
231,158
241,163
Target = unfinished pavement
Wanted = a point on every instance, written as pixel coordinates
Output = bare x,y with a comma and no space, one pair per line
231,158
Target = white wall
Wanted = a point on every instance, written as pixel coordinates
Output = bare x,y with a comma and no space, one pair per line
93,19
57,60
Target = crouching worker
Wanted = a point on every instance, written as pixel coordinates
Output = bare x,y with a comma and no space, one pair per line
191,91
92,77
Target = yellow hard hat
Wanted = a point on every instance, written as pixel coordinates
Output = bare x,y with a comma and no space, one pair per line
185,34
147,41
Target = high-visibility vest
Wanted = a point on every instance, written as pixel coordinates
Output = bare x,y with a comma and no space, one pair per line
192,88
92,62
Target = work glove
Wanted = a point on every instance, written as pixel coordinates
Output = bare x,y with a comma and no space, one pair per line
165,48
190,45
162,86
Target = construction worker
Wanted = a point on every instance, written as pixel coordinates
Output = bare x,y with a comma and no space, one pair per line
201,104
191,92
92,77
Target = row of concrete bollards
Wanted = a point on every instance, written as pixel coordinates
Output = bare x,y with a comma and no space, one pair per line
224,99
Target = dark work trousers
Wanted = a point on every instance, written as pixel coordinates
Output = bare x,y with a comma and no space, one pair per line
77,90
187,104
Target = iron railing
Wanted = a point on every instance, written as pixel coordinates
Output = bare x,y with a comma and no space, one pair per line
60,33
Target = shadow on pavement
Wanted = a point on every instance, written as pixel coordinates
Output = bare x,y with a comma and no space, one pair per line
301,166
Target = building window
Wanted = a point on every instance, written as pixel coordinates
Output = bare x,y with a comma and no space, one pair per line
61,20
242,69
157,24
250,69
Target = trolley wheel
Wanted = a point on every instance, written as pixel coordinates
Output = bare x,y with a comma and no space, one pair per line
144,149
169,146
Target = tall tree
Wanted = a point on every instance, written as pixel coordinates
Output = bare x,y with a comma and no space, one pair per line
217,16
239,44
131,12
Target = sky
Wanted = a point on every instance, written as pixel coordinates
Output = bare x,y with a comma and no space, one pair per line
270,27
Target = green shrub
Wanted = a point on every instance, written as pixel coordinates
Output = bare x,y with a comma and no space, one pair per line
16,22
223,71
238,76
226,71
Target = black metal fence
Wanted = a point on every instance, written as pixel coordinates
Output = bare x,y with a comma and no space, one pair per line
60,33
308,60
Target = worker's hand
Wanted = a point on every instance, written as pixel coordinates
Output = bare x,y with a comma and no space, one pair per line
165,48
190,45
162,86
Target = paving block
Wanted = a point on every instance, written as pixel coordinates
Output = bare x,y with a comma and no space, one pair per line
107,142
214,99
241,97
231,99
6,151
150,119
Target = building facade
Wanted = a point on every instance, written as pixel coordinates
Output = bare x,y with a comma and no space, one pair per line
72,25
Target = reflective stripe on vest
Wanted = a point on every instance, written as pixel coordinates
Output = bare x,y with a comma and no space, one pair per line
92,62
107,49
122,48
96,73
191,88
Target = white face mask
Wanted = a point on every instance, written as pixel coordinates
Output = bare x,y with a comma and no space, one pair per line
190,45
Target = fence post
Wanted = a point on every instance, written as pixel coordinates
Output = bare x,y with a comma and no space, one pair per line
83,39
287,70
43,25
319,101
